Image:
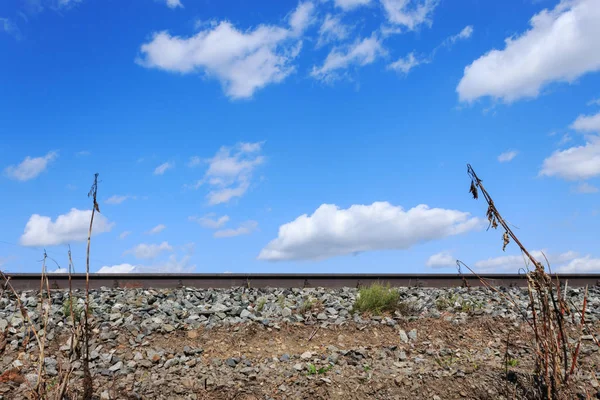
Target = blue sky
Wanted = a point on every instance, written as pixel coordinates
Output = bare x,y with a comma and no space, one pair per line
315,136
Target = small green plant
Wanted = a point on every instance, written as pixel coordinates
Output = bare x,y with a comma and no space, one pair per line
281,301
261,304
77,309
377,299
312,369
310,304
512,362
366,368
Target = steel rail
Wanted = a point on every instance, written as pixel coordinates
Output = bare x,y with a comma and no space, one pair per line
22,281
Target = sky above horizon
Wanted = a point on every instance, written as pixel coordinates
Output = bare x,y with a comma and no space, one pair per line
312,136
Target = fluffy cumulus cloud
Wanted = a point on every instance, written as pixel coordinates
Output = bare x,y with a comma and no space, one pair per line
360,53
561,45
210,221
149,251
587,123
441,260
164,167
331,231
245,228
172,265
577,162
409,13
242,60
157,229
567,262
579,265
30,167
67,228
230,172
574,163
513,263
124,234
507,156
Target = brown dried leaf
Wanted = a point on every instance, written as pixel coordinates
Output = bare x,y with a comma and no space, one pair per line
506,240
473,190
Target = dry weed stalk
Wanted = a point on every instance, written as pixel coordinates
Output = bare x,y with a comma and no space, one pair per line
555,356
80,332
88,384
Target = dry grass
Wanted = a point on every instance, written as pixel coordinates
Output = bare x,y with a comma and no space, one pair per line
556,347
58,387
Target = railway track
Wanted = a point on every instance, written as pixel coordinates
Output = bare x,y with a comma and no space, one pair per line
61,281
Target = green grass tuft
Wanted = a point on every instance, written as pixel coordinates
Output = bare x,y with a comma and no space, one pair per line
377,299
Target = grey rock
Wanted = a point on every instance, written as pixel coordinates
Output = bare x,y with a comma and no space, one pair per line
232,362
116,367
245,314
322,316
170,362
298,367
306,355
286,312
412,335
403,336
284,358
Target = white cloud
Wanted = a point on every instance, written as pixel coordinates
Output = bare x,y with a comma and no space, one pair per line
594,102
462,35
409,13
302,17
117,269
404,65
244,229
162,168
361,52
224,195
209,221
172,265
331,231
124,234
585,188
174,3
230,171
243,61
157,229
59,271
441,260
30,168
149,251
580,265
574,163
351,4
332,29
71,227
513,263
561,45
83,153
587,123
507,156
116,199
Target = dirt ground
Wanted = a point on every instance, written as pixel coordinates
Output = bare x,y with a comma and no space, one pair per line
483,358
